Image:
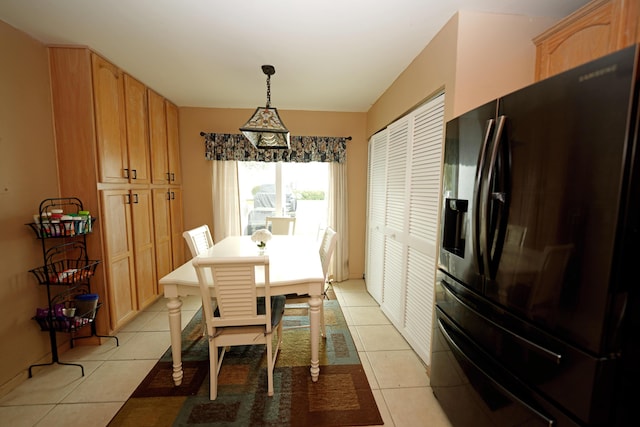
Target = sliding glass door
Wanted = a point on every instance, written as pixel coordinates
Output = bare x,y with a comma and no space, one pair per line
297,190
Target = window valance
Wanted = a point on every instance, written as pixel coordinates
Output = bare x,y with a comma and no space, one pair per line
225,146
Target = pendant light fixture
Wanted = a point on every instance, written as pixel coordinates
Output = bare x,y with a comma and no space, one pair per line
265,129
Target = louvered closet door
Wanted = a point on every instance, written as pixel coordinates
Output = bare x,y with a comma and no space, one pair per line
377,178
395,236
404,188
423,191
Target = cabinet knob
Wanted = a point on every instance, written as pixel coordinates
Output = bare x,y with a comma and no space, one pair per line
126,173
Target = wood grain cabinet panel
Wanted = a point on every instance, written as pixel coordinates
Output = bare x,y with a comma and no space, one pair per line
108,92
158,139
137,131
173,142
596,29
119,255
144,247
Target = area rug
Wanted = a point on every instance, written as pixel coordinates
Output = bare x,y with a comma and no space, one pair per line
341,397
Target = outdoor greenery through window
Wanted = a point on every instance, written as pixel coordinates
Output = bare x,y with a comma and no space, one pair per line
284,189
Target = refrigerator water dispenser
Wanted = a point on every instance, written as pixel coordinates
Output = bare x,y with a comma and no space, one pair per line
454,231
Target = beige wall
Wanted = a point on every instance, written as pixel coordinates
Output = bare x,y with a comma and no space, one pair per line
196,171
495,56
27,175
474,58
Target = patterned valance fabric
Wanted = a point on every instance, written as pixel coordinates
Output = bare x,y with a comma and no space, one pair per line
225,146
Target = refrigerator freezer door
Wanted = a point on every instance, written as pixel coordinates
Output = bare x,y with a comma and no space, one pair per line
569,144
466,140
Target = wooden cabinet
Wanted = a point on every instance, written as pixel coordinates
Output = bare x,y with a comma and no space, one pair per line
177,227
173,142
596,29
162,220
137,131
168,219
108,92
130,252
144,247
119,256
165,149
102,120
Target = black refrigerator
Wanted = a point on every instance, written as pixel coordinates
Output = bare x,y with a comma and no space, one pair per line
537,307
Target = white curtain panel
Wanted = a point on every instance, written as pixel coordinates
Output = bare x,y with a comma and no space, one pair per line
338,219
226,200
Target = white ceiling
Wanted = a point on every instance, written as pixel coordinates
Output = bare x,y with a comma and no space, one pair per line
329,55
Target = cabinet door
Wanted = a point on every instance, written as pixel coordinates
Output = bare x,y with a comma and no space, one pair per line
143,243
137,130
119,259
162,221
158,139
596,29
173,142
177,228
108,93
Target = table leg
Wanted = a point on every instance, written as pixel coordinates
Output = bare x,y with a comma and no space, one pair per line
315,301
175,330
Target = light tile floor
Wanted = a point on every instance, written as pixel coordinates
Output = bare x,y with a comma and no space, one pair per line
59,396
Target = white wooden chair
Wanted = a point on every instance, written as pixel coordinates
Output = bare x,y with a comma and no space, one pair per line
199,241
327,247
241,318
281,225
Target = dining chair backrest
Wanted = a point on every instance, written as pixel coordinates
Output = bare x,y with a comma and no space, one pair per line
327,246
235,290
281,225
198,239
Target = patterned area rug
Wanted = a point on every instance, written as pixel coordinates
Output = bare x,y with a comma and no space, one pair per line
341,397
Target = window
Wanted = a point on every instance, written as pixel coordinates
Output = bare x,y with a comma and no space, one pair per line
283,189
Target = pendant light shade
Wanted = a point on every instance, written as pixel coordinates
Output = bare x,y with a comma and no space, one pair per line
265,129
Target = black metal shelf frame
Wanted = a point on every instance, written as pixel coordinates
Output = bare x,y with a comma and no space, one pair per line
66,267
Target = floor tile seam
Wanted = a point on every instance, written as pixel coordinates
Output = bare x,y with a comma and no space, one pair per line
410,387
93,402
22,405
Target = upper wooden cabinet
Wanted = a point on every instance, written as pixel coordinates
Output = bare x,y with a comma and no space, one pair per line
165,150
111,133
173,142
137,131
596,29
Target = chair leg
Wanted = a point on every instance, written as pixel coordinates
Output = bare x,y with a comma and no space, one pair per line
213,370
270,363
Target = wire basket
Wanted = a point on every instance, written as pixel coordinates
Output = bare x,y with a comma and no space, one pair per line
66,271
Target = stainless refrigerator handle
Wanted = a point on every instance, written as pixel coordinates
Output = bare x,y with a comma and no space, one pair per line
476,229
547,354
486,200
550,422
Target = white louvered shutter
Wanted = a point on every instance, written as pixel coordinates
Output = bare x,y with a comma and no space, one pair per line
376,213
424,183
402,223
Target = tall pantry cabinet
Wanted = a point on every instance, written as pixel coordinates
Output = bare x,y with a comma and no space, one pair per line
103,128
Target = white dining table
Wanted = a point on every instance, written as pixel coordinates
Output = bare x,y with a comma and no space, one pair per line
294,268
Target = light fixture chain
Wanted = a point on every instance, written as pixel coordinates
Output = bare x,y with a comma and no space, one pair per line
268,90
